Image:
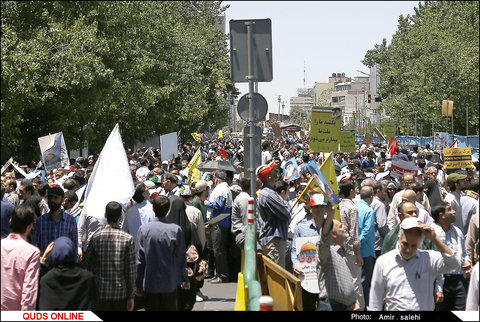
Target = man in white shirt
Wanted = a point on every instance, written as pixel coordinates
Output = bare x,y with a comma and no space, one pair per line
140,213
403,278
407,180
456,183
454,284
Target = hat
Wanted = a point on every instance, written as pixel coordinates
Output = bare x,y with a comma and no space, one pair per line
318,200
361,176
409,223
344,177
185,191
264,170
221,175
154,179
201,185
56,191
149,184
454,178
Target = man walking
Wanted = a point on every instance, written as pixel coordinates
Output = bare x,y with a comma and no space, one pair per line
55,223
349,218
140,213
161,260
273,216
110,255
403,278
220,202
366,236
20,263
454,285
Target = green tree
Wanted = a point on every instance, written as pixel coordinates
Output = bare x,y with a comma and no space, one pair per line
299,116
80,67
433,56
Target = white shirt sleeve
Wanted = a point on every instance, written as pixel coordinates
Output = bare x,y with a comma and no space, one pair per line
472,295
377,288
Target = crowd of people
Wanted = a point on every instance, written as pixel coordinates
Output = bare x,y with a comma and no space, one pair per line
400,243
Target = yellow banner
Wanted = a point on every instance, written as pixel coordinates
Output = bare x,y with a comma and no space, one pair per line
456,158
196,137
276,130
347,141
325,129
328,171
193,172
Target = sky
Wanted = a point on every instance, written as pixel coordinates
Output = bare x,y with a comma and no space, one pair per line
313,39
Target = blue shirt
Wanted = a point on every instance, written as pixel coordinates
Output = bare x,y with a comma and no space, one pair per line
341,164
273,216
367,164
303,229
47,229
366,229
160,256
7,209
220,201
137,215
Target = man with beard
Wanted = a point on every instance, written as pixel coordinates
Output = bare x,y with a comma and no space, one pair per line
55,223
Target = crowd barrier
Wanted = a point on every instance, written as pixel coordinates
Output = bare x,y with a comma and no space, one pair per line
471,141
262,277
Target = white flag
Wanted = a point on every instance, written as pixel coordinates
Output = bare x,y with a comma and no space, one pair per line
111,179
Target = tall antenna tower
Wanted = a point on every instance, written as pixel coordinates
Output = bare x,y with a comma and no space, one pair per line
304,74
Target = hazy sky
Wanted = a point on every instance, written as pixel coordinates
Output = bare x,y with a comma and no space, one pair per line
324,36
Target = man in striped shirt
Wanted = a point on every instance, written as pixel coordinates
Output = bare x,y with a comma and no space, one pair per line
55,223
110,255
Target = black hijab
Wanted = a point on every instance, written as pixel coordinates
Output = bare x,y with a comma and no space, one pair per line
177,215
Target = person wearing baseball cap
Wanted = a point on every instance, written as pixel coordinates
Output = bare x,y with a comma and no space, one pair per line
456,183
403,279
220,202
308,228
273,215
55,223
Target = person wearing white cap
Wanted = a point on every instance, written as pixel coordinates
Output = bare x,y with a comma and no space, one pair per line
309,228
403,278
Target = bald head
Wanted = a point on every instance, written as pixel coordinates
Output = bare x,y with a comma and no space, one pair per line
368,182
406,209
409,195
408,179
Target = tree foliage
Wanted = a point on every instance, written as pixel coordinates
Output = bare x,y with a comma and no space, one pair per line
433,56
80,67
299,116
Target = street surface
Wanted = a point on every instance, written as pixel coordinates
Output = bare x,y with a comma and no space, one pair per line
221,297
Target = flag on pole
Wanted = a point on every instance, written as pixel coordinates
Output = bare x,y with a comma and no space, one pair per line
454,144
328,171
191,170
196,137
312,186
392,148
111,167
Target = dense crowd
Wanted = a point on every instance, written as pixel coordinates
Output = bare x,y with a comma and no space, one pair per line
399,243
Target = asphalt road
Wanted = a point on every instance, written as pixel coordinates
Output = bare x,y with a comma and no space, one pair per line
221,297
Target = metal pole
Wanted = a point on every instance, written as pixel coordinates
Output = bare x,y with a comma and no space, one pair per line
466,125
251,79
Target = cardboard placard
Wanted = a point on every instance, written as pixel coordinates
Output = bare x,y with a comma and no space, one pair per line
456,158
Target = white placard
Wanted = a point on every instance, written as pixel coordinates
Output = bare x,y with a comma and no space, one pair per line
169,146
306,248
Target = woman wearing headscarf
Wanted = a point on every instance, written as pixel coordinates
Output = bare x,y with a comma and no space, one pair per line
196,263
66,286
